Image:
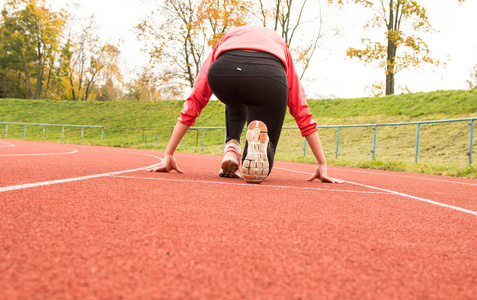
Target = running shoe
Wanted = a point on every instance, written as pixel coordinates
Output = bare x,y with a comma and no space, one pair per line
230,165
255,166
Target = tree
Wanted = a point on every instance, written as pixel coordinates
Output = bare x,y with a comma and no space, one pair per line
31,34
472,82
287,17
177,44
190,28
12,79
109,91
144,87
395,17
85,58
222,15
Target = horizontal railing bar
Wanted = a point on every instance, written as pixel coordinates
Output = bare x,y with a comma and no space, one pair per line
59,125
223,127
397,124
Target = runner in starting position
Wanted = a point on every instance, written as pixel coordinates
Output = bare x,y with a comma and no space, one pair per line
251,71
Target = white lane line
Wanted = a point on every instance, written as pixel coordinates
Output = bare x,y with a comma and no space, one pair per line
345,169
43,154
404,195
3,144
252,185
384,191
413,177
419,198
43,183
382,172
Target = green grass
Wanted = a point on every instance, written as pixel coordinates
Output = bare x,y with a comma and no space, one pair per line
442,149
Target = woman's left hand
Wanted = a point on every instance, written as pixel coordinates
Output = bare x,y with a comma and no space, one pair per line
321,173
168,163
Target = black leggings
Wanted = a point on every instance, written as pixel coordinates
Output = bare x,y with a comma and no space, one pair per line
253,86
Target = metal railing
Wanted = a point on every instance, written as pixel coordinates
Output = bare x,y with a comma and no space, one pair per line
202,129
418,133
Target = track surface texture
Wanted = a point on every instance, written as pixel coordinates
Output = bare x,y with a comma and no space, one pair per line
88,222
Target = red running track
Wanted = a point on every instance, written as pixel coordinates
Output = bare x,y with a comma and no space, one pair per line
86,222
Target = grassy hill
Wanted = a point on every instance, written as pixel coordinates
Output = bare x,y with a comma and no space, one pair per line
442,149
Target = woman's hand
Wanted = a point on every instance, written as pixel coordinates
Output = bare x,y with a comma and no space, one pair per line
321,173
168,163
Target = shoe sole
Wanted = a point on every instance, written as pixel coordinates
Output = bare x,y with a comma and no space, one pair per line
255,166
229,168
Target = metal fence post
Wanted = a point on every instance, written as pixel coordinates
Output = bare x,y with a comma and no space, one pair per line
102,133
6,130
417,141
374,142
304,148
24,133
337,141
471,140
225,137
82,132
63,132
203,139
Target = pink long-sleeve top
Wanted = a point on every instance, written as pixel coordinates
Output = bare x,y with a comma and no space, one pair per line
259,39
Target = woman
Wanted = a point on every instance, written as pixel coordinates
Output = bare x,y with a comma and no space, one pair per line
251,71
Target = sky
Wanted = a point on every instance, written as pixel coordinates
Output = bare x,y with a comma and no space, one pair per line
331,75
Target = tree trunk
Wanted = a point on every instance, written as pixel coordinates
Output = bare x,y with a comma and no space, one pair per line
87,92
27,73
41,66
48,82
73,92
39,83
391,53
389,84
390,68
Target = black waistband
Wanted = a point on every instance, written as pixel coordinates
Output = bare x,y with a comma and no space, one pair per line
252,54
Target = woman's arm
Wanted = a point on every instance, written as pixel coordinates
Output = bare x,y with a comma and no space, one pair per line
169,162
321,171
